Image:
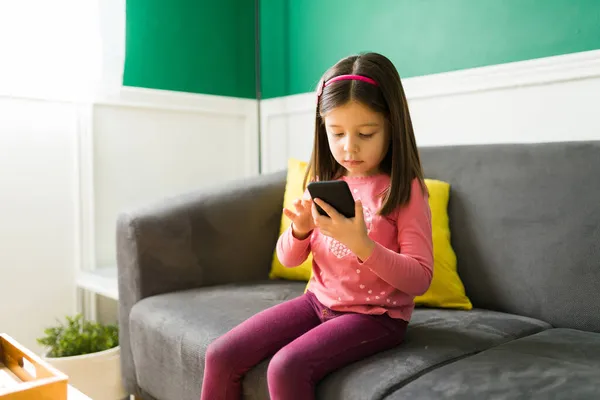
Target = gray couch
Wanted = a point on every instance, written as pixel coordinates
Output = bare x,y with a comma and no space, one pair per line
525,223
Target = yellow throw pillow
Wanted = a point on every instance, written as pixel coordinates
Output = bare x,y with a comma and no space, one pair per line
293,191
447,289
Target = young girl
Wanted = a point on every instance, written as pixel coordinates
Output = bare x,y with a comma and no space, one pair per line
367,269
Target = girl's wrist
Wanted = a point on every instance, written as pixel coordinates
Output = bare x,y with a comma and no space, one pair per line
300,235
364,249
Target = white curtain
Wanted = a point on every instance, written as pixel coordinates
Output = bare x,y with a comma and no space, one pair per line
61,49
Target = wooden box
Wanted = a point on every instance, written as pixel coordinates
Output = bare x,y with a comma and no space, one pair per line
25,376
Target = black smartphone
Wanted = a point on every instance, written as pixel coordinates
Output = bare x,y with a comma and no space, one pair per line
335,193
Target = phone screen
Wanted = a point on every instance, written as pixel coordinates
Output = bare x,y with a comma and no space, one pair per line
335,193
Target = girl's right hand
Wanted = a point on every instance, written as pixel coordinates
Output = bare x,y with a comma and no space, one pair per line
302,220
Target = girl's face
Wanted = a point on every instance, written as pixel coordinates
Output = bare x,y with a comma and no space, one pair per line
357,138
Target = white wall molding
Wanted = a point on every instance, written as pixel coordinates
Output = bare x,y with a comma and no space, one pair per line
546,99
149,144
195,103
85,247
84,196
177,101
278,116
540,71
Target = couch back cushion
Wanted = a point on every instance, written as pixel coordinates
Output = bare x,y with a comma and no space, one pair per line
525,223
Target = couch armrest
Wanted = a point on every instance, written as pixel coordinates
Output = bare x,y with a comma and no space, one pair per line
213,236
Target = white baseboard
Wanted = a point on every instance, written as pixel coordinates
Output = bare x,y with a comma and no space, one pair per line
547,99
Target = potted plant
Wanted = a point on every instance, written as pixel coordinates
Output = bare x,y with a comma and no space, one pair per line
89,353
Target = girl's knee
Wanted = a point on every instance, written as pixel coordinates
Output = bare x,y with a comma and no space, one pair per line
286,365
219,354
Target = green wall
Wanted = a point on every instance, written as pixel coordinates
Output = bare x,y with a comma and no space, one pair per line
420,36
274,49
209,47
191,46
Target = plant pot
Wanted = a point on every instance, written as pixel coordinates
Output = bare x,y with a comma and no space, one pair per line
97,375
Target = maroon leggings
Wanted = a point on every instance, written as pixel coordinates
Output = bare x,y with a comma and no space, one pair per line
307,341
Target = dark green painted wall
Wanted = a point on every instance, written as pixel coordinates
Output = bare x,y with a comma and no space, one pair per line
420,36
274,49
191,46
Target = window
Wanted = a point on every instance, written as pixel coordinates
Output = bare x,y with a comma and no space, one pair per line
60,49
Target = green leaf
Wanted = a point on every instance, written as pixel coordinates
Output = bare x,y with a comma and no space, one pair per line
76,336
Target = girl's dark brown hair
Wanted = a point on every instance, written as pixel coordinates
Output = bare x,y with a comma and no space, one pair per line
401,162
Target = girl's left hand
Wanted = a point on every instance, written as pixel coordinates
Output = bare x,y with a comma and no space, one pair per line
351,232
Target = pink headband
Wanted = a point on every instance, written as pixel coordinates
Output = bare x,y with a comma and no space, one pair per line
323,84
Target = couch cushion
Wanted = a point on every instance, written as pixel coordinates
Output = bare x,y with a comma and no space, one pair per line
170,333
434,337
524,221
556,363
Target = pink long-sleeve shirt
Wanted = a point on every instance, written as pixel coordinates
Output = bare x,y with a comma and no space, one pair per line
400,267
